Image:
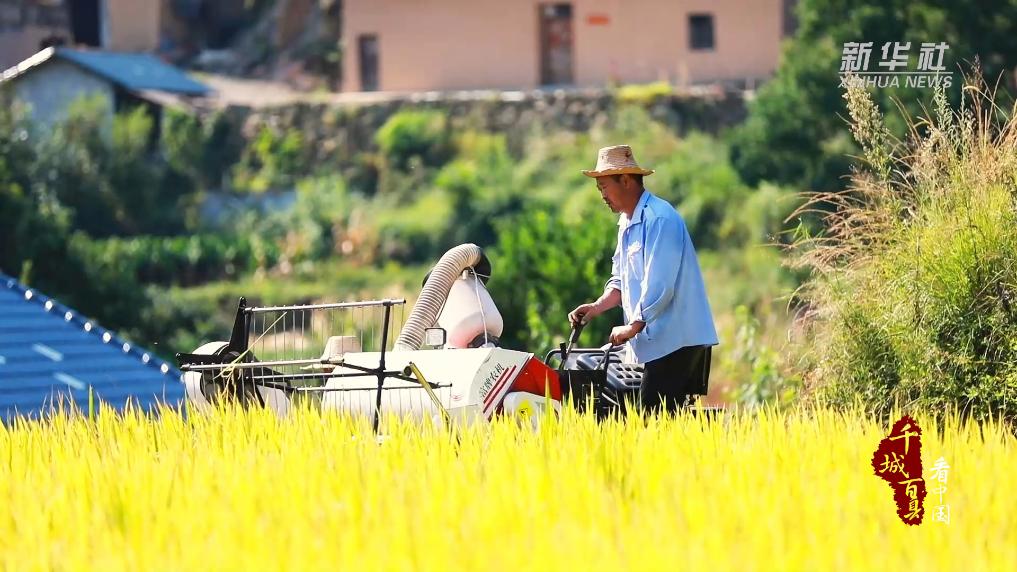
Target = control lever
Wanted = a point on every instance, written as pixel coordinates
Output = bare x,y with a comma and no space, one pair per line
566,348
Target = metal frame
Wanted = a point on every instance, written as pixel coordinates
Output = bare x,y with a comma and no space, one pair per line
235,366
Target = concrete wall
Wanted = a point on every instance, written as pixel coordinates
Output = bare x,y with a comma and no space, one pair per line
469,44
51,88
127,26
18,45
132,25
25,23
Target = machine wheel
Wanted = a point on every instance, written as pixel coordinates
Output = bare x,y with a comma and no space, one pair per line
208,387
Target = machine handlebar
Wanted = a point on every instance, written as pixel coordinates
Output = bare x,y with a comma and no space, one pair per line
567,348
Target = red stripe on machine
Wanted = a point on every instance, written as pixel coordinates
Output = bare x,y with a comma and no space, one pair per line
494,387
504,379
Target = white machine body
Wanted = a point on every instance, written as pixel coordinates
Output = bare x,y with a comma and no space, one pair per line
469,312
478,380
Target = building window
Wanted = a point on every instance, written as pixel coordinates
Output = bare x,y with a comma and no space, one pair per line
368,50
701,31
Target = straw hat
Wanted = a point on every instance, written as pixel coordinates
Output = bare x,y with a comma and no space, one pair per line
616,160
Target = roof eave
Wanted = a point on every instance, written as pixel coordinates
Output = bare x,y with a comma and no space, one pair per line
27,64
47,54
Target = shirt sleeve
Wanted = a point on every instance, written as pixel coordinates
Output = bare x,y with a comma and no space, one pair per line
663,246
614,283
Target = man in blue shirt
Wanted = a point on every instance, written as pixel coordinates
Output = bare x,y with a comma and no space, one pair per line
655,277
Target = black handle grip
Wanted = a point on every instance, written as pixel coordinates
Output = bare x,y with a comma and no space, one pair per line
574,335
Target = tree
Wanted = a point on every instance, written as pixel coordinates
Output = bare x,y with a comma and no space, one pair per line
796,133
544,266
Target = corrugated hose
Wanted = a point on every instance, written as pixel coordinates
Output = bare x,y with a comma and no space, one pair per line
435,291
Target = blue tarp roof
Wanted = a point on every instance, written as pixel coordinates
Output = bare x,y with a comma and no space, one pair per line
47,349
136,72
132,71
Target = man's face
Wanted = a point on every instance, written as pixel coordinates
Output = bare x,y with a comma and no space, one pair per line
612,191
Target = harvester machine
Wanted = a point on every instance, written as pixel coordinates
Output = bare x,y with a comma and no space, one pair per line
444,364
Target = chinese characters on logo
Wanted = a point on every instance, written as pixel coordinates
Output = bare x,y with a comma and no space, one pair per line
894,58
938,474
898,461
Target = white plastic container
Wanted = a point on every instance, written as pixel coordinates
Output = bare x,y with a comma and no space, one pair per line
469,311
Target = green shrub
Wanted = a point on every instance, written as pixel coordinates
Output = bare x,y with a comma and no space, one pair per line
914,280
543,266
26,229
760,368
106,173
482,186
414,133
203,149
719,209
272,161
417,231
180,260
309,229
700,181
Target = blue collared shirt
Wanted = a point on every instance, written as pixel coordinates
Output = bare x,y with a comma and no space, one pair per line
656,269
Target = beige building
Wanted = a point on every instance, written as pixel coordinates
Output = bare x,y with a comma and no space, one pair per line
27,26
131,25
423,45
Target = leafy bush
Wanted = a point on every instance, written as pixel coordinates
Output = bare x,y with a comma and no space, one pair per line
184,318
794,134
272,161
27,229
105,172
203,149
482,186
915,279
700,181
36,241
414,133
414,232
762,371
181,260
309,230
543,266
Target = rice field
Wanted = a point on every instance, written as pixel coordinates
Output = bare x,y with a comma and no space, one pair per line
246,490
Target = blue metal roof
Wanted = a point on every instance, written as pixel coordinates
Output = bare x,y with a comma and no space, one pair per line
48,350
136,72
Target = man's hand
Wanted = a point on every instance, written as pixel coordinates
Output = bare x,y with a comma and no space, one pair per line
622,334
583,314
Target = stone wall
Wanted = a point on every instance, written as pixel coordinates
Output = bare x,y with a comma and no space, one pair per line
348,129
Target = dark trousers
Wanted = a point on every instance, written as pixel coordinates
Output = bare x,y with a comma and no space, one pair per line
674,380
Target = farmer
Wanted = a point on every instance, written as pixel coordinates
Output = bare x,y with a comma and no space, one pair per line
655,277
